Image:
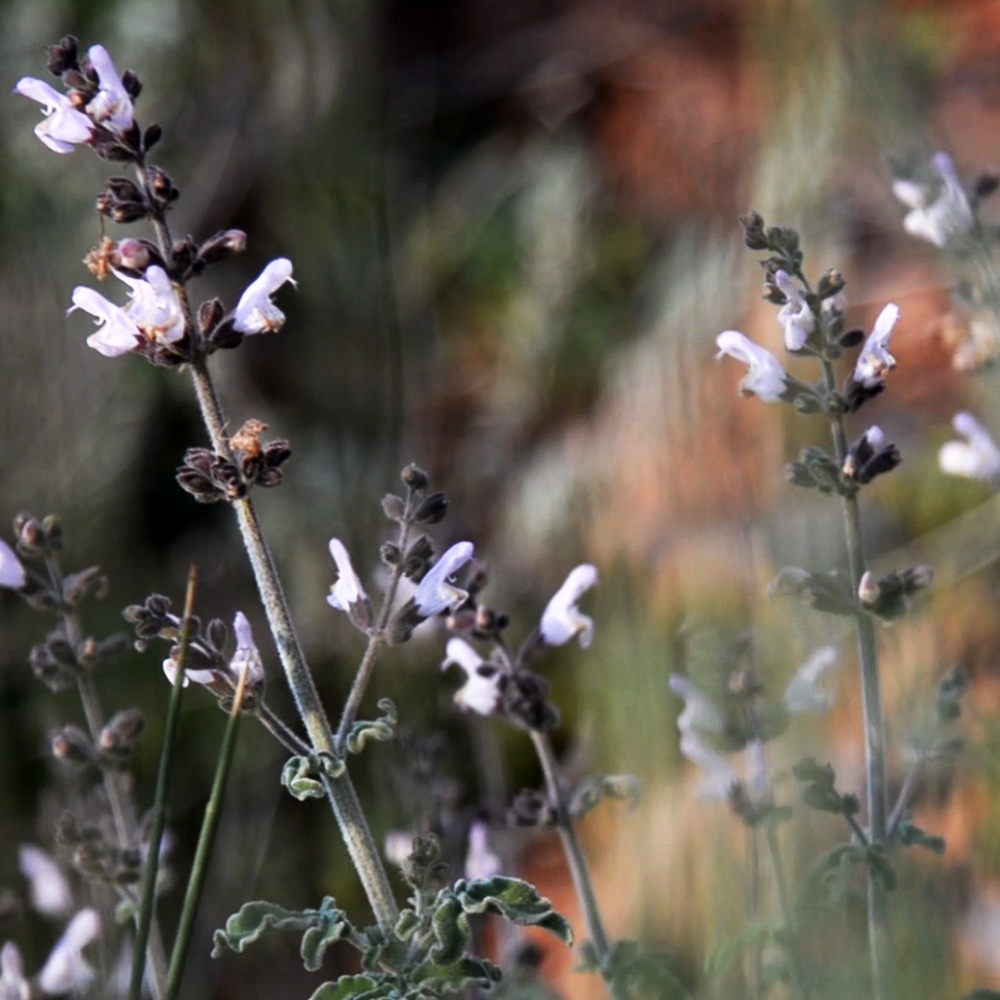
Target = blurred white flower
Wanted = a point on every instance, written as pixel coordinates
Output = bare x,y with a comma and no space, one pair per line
397,847
112,106
875,361
717,776
805,692
255,312
66,970
48,888
480,861
12,573
765,378
977,457
64,125
946,216
700,714
795,316
435,592
562,619
13,985
481,691
347,590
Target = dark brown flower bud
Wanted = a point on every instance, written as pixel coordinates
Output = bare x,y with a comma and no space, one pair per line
151,136
62,56
432,509
415,477
72,744
121,734
222,246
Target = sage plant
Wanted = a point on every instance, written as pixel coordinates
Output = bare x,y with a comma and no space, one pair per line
422,949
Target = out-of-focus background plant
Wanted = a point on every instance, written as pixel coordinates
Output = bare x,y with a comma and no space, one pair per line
514,231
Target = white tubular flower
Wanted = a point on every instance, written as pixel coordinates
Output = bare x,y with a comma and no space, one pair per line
64,125
435,593
204,677
805,692
717,775
795,316
247,655
947,216
255,312
347,590
154,314
481,691
875,361
66,970
48,889
12,573
480,861
765,377
700,714
561,619
977,457
13,985
112,107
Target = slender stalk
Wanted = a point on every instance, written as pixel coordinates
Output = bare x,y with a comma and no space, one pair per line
206,840
343,798
785,910
376,640
874,728
147,896
574,855
288,739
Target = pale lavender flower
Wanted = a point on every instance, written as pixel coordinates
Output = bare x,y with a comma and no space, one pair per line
875,361
795,316
977,457
64,125
435,592
805,692
154,314
347,590
700,714
255,312
939,220
13,985
480,861
481,691
66,970
48,888
561,619
247,656
765,377
112,106
204,677
12,573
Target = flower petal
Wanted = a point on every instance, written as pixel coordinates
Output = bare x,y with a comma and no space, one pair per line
255,312
561,619
435,593
347,590
12,573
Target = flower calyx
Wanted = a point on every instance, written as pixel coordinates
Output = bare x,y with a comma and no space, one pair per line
210,477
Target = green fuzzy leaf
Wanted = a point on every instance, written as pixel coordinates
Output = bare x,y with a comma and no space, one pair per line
590,792
302,776
253,919
451,929
515,900
822,798
406,925
466,971
720,960
331,925
911,834
380,730
358,987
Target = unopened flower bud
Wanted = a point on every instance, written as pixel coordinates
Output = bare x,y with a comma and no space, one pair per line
415,477
432,509
210,314
223,245
869,590
133,254
393,507
753,231
72,745
121,734
830,284
151,136
30,537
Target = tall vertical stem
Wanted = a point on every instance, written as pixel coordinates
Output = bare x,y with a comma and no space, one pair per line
878,904
343,798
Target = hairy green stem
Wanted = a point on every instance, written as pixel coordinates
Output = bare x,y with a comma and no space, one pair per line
785,910
343,798
574,856
879,938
